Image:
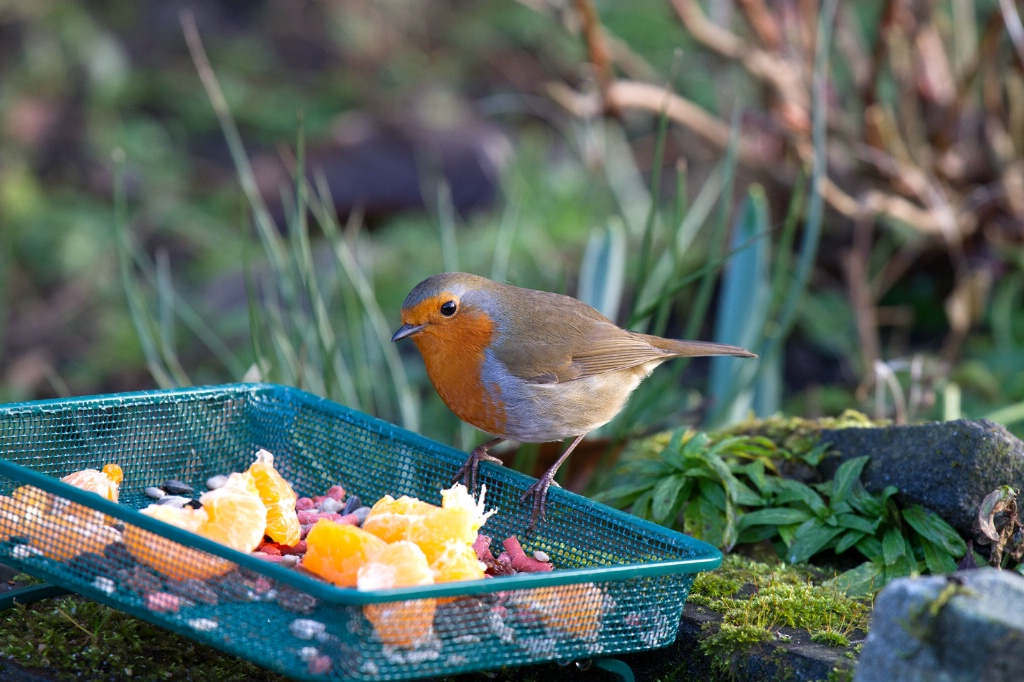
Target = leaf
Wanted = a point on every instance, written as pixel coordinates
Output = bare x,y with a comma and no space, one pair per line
858,523
754,534
995,502
642,506
937,560
755,472
892,546
664,497
791,491
778,516
621,495
711,490
863,579
811,537
847,476
848,540
815,455
870,547
673,454
934,528
746,496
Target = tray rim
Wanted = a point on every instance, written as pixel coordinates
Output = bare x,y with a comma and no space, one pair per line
710,560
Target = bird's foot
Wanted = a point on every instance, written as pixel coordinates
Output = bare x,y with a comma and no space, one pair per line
468,472
539,493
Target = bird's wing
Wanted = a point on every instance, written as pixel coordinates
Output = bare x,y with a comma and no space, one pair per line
586,345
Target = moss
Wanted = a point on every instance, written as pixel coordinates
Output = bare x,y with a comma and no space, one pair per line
830,638
797,434
71,635
756,599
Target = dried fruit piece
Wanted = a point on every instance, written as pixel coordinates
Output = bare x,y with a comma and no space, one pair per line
279,499
336,551
400,564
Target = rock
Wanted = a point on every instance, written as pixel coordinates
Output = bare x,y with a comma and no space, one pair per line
948,467
968,627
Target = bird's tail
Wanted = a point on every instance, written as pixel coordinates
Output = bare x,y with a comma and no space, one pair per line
692,349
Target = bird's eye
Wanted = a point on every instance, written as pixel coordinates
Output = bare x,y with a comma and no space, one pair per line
448,308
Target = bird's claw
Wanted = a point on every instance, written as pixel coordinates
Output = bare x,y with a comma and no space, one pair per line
468,472
539,493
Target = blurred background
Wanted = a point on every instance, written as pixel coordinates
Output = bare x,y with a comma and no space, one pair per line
195,193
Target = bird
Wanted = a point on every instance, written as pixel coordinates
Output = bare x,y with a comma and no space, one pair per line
529,366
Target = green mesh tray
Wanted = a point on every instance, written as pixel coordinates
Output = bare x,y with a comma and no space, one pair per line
628,576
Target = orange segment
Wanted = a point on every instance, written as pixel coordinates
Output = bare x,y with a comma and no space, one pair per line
458,497
62,538
174,560
233,515
441,527
105,483
573,608
16,516
389,519
279,499
336,551
238,517
457,562
400,564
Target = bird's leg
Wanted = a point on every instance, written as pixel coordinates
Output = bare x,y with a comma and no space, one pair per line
468,471
539,490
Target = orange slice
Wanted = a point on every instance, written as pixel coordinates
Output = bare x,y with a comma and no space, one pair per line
63,537
573,608
439,528
457,562
279,499
233,515
105,483
238,517
389,519
402,623
336,551
16,515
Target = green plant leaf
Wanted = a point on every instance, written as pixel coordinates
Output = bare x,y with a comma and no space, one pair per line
934,528
892,546
621,495
863,579
795,491
859,523
642,505
664,497
778,516
755,472
848,540
754,534
871,548
938,561
811,537
847,476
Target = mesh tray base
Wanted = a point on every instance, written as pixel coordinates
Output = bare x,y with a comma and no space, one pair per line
623,590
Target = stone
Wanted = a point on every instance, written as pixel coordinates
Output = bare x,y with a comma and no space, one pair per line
948,467
969,626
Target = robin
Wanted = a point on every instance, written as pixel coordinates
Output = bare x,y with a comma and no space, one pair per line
529,366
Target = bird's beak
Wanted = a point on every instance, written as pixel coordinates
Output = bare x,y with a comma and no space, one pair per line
406,330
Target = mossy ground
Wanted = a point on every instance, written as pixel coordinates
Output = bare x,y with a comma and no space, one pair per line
758,599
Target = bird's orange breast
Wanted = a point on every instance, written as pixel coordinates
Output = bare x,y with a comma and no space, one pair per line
454,355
